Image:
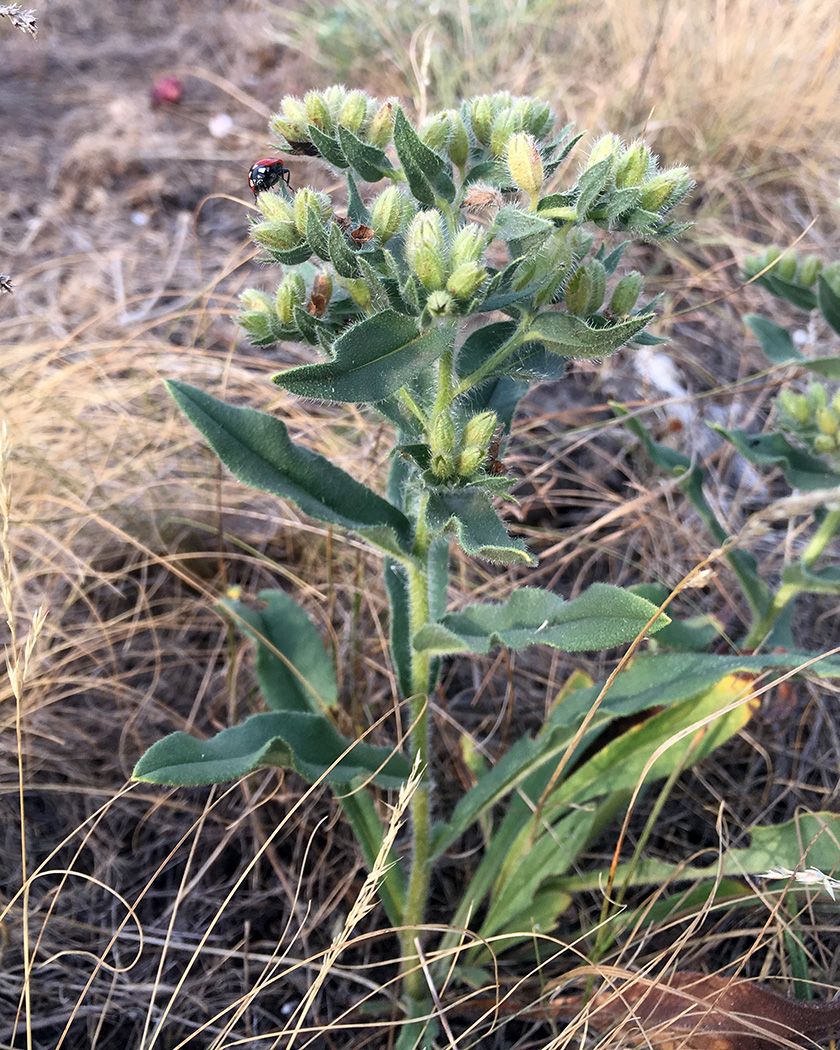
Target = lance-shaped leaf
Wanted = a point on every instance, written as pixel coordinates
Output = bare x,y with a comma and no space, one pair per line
829,302
802,469
571,336
603,616
294,670
480,530
420,163
372,360
257,449
781,349
303,741
368,161
327,146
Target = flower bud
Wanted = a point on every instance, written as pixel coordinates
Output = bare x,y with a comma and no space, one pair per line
277,236
382,126
256,301
439,303
577,292
827,421
835,402
665,190
358,291
353,111
291,293
504,125
306,198
771,254
626,293
275,208
425,250
817,397
480,430
525,164
606,146
633,165
469,460
786,266
386,215
434,131
458,146
481,118
597,287
465,280
442,445
540,119
291,121
810,270
795,405
468,245
317,111
824,443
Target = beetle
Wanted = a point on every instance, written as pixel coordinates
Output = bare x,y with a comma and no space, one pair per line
267,173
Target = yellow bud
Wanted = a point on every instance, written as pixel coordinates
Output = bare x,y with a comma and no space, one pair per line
469,460
386,216
468,245
358,291
277,236
306,198
465,280
665,190
256,301
458,146
606,146
825,443
480,430
353,111
275,208
525,164
504,125
434,131
827,421
425,250
317,111
291,293
382,126
633,165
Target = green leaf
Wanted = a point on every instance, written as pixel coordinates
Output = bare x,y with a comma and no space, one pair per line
784,288
370,162
602,617
294,670
592,183
257,449
399,624
480,531
802,470
829,302
571,336
328,147
514,224
342,255
303,741
775,340
373,359
420,164
316,233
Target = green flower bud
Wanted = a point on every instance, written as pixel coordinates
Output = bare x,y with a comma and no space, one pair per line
832,276
835,401
291,121
795,405
469,460
439,303
786,266
481,118
577,292
817,397
382,126
275,208
277,236
633,165
465,280
606,146
353,111
291,293
827,421
304,198
425,250
824,443
525,164
504,125
480,430
442,436
258,326
334,96
665,190
626,293
317,111
434,131
256,301
810,270
387,214
458,146
771,254
468,246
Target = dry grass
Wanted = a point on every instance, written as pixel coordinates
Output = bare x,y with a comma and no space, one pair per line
160,916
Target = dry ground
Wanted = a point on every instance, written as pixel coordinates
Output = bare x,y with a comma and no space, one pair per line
124,229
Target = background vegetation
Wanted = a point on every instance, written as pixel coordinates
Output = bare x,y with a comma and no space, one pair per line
124,229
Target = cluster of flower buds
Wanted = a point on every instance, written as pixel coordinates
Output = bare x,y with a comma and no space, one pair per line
465,455
303,125
452,273
814,418
494,119
803,271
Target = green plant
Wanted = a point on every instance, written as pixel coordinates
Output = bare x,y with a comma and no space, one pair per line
403,303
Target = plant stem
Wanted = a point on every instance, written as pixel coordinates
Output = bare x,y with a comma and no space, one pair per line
495,360
418,882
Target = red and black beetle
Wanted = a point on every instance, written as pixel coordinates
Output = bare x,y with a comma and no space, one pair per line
267,173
